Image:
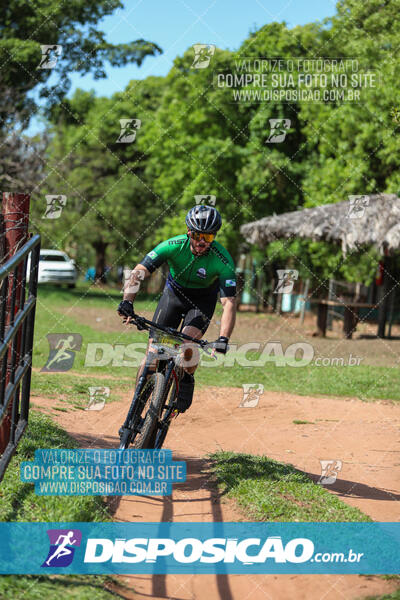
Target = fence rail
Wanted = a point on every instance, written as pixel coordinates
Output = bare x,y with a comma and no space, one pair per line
16,342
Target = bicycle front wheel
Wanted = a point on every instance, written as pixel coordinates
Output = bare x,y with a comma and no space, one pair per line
153,393
160,433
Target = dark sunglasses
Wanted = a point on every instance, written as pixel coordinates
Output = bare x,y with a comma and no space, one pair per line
207,237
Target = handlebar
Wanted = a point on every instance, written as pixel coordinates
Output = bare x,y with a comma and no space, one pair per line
143,323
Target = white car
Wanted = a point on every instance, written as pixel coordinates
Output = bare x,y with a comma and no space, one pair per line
55,267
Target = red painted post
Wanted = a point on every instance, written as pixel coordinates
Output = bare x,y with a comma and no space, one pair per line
15,211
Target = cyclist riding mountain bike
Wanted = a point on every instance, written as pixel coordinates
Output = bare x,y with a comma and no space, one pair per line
199,267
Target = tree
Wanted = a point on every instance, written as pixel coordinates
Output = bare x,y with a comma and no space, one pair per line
35,34
355,145
27,26
109,201
208,144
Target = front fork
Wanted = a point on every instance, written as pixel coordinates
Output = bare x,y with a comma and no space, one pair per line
163,424
138,389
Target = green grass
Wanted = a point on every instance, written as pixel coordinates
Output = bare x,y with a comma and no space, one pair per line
76,390
52,317
300,422
393,596
18,502
271,491
366,382
363,382
89,296
41,587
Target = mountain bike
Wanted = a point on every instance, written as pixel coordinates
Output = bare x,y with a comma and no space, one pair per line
154,403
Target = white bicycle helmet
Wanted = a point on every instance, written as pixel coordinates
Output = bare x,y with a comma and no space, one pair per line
204,219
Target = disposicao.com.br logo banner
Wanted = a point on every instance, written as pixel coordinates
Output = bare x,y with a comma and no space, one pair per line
283,548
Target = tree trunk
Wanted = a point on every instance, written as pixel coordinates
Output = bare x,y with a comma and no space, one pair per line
100,248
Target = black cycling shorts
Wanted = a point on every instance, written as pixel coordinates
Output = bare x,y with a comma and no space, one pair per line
197,307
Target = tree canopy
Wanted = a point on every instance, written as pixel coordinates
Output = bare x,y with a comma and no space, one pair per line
25,27
194,140
38,39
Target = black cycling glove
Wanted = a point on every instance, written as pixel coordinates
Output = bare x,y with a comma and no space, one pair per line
125,308
221,344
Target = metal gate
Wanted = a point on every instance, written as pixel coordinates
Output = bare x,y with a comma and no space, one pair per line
17,316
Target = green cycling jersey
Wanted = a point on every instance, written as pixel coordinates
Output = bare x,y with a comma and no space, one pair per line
196,272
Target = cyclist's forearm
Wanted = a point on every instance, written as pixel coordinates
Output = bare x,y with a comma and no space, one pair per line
134,281
228,317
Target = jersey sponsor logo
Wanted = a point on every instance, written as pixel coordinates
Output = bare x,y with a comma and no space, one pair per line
219,254
152,254
202,273
230,283
172,242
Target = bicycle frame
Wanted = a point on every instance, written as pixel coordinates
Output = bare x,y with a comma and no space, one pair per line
167,365
132,413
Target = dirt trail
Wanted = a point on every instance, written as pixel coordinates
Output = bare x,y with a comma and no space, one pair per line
364,436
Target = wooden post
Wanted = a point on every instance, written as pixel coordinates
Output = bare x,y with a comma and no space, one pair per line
322,319
388,284
350,320
278,307
392,301
16,220
303,304
260,299
239,288
331,294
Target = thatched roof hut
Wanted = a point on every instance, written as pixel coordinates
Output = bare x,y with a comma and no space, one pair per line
360,221
356,223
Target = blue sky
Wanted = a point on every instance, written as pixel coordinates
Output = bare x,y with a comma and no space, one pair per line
175,25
